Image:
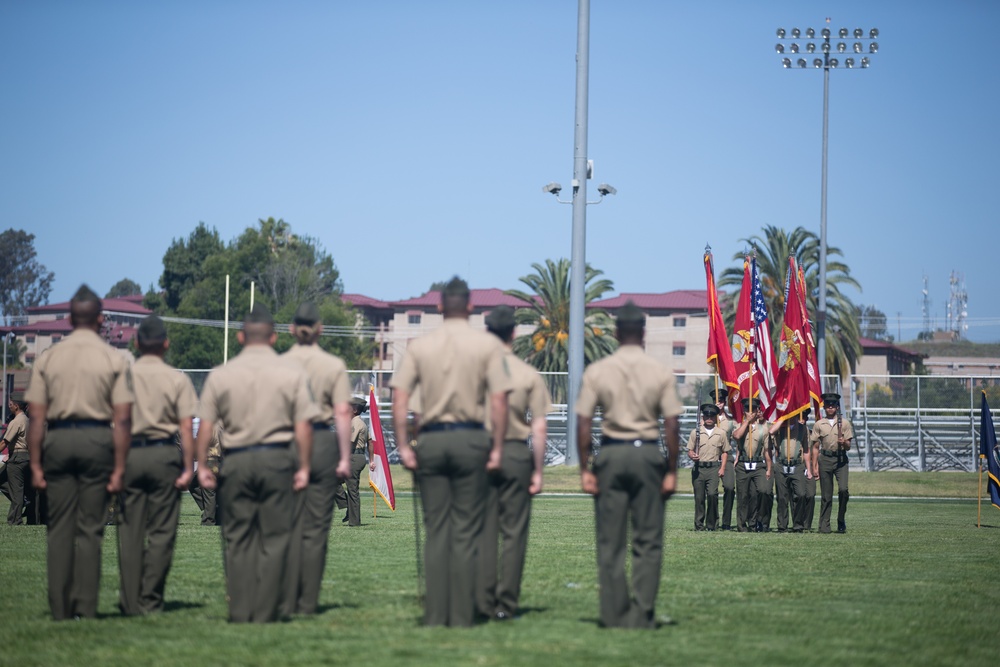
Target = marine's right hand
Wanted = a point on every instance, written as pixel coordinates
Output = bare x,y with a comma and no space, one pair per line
408,458
38,478
206,478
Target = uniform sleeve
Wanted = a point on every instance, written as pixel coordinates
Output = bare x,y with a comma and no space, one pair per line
540,403
814,435
122,391
306,409
187,400
586,401
208,407
691,441
847,429
670,402
498,378
356,426
341,388
406,375
37,391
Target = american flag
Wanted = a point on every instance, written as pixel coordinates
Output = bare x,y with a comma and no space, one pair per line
763,356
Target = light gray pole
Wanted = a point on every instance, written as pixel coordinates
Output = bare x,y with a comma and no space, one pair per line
578,258
821,310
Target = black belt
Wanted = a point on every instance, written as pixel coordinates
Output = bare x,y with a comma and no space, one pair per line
451,426
321,426
77,423
791,463
831,454
710,464
636,442
252,448
145,442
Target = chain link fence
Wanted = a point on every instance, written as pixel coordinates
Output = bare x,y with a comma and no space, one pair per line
901,422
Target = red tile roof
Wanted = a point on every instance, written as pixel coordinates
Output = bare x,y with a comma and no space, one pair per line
871,344
362,301
480,298
118,305
675,300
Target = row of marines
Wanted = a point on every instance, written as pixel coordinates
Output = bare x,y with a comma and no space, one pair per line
754,457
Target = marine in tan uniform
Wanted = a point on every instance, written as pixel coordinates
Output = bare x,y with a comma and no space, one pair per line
630,474
793,469
708,449
508,500
330,451
263,402
727,424
15,439
753,467
831,440
361,453
78,389
156,472
457,370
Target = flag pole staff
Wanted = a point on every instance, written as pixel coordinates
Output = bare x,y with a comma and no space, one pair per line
225,336
979,496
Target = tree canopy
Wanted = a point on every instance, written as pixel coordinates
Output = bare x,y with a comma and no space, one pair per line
124,287
24,281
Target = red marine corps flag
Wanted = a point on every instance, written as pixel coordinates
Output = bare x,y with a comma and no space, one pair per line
719,354
742,342
792,394
380,479
812,366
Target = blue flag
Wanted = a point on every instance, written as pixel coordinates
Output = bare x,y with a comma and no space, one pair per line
988,450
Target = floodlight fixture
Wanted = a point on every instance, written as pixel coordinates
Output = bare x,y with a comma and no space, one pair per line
842,33
781,33
850,63
779,48
786,63
864,62
825,47
825,33
796,33
604,189
858,33
873,34
810,48
810,33
834,62
553,189
873,47
857,47
817,63
841,47
801,62
794,48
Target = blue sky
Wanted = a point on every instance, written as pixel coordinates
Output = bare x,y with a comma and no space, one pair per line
413,138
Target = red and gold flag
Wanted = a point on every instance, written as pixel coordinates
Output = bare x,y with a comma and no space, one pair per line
742,341
812,366
719,352
792,393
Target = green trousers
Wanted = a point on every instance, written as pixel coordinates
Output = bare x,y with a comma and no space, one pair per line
831,467
451,474
750,490
791,491
147,527
358,463
508,513
728,494
705,480
206,499
810,504
311,528
766,503
258,509
629,479
77,464
18,479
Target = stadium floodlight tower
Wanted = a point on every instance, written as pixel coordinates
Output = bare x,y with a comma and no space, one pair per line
856,47
582,170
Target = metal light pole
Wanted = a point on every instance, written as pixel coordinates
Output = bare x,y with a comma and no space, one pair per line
578,256
826,63
6,398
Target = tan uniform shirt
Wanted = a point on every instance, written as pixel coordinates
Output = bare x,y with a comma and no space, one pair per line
825,433
359,435
163,397
457,368
327,377
529,395
633,389
792,441
16,434
215,446
258,397
80,378
712,446
751,445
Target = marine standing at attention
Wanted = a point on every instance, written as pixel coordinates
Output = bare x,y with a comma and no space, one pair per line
156,472
82,390
630,474
508,502
708,449
331,389
361,453
263,402
831,440
457,370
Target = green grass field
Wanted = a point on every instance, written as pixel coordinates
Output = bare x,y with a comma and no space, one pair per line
913,582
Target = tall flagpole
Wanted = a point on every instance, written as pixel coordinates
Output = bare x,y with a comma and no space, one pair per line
251,294
979,511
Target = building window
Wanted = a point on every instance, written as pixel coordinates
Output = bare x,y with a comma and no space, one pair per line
30,338
61,316
680,322
680,375
679,349
413,318
56,338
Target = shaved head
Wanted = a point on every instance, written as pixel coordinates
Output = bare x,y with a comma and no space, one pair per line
85,308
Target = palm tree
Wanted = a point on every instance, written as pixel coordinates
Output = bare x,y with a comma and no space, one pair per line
773,250
547,347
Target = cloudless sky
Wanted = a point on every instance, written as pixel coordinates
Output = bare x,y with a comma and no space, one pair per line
413,138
